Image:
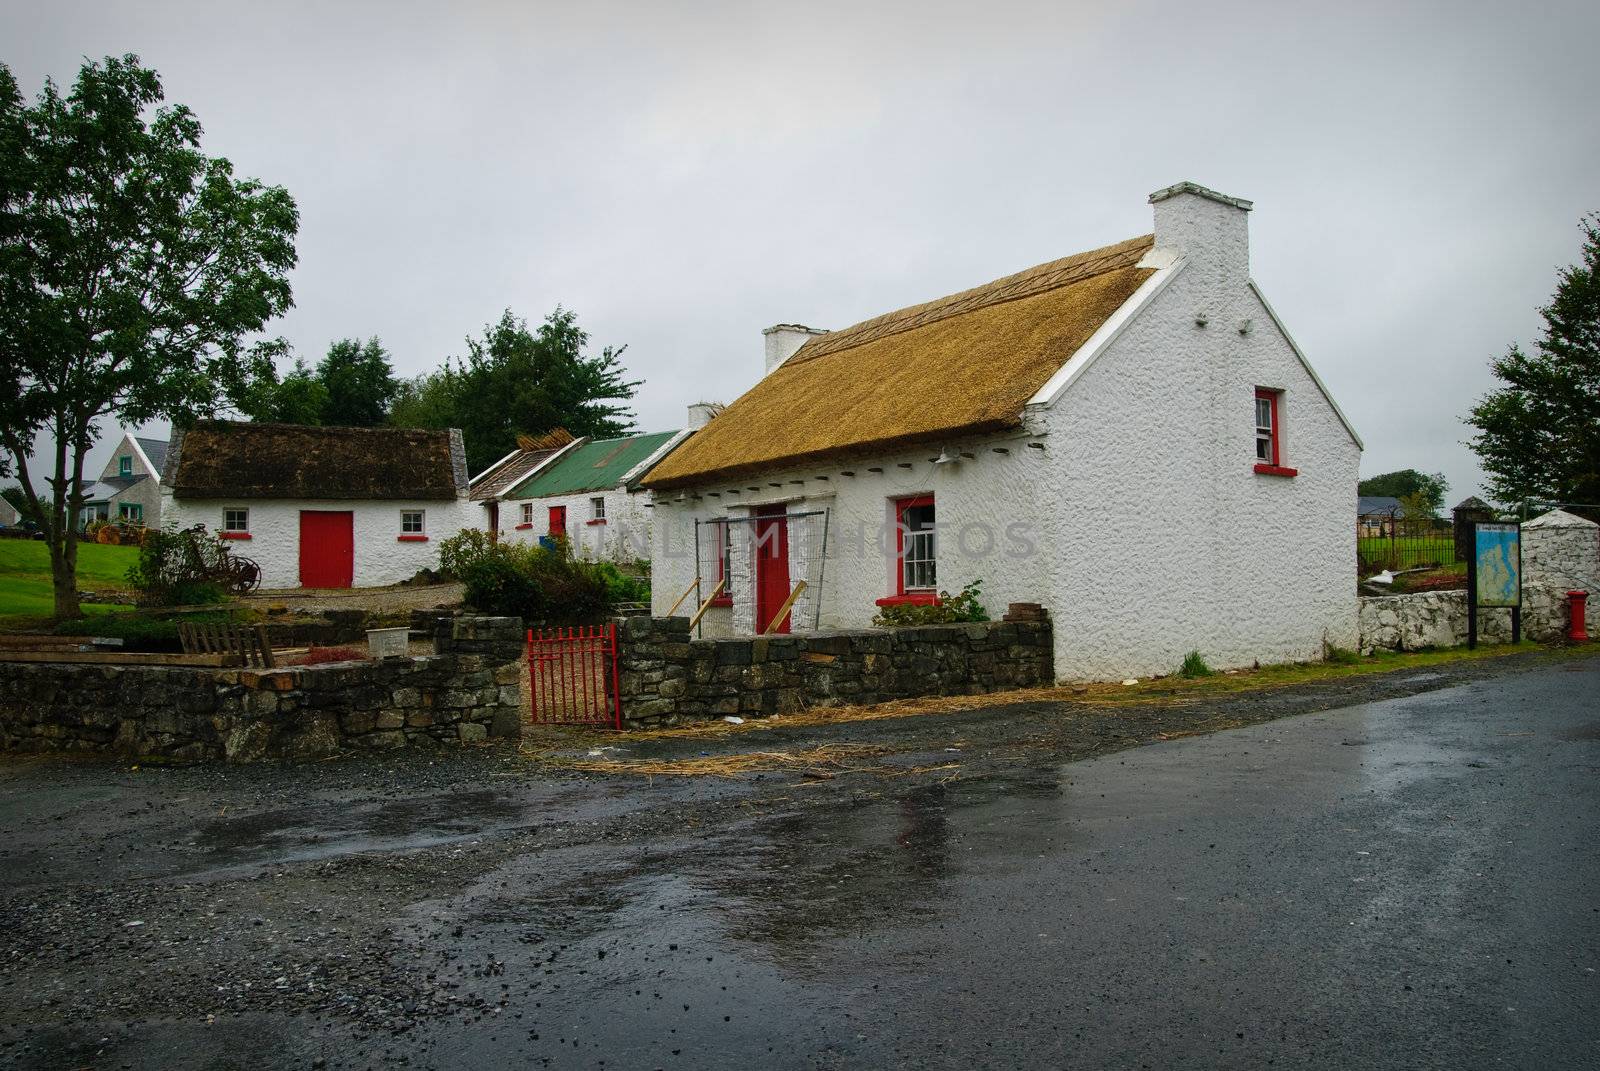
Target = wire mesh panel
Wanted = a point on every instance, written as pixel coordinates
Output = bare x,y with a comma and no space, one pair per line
573,673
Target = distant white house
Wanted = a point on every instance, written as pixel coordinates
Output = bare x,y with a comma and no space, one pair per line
8,514
322,507
489,487
1128,436
129,487
589,495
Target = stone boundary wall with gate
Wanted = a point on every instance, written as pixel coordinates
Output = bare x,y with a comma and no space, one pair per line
667,677
468,692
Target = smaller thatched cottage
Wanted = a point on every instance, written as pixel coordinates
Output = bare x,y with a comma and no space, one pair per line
322,507
589,495
129,487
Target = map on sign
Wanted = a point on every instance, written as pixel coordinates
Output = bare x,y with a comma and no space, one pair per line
1498,564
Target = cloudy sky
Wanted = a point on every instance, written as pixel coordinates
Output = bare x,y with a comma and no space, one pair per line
683,175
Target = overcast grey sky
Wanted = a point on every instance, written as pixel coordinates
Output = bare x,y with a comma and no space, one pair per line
683,175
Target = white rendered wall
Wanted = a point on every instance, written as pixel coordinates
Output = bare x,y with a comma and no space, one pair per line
1171,542
625,537
986,510
380,556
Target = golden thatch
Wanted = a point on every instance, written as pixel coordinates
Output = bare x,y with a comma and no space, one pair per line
965,364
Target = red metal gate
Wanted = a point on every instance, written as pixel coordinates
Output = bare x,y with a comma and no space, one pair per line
574,676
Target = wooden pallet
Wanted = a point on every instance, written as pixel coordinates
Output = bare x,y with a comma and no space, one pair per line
247,643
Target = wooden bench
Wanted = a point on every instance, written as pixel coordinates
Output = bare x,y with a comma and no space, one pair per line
242,645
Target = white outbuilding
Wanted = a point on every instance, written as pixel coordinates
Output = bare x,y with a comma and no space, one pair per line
588,494
321,507
1128,436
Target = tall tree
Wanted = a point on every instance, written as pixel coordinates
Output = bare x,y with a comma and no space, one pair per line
515,381
359,382
1539,435
1425,492
133,271
298,398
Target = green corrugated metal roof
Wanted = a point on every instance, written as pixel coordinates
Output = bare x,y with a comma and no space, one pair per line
594,466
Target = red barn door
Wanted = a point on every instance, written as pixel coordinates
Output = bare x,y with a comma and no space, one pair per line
327,549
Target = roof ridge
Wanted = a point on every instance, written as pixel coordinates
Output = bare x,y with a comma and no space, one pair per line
1029,282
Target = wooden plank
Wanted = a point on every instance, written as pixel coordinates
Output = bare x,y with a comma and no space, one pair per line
783,611
116,658
30,641
265,642
698,614
685,595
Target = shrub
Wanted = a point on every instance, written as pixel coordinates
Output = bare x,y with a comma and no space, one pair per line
462,549
175,568
534,583
1194,665
321,656
620,587
948,610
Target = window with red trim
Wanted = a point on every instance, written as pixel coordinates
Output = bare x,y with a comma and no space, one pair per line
1269,433
916,554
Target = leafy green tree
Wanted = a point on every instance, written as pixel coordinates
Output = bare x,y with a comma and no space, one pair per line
515,381
298,398
359,382
1425,492
1539,434
133,271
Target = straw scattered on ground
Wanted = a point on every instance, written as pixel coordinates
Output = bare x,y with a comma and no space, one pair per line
827,760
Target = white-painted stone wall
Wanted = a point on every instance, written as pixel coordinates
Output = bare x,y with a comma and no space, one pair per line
624,537
1562,550
1151,534
380,556
1426,619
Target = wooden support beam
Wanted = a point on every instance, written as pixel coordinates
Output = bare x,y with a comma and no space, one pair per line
685,595
121,658
783,611
698,614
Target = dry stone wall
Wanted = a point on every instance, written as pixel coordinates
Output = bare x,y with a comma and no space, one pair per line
667,677
1439,619
467,693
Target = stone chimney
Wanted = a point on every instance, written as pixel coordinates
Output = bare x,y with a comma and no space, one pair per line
1206,228
783,339
700,414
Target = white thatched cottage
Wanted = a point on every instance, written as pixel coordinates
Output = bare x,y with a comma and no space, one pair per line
1128,436
322,507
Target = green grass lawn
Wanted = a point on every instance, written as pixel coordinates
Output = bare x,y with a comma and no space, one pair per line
26,594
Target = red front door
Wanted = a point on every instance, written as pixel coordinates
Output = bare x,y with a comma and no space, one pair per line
772,566
327,549
558,521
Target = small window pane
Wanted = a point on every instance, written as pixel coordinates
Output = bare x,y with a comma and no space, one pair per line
597,508
527,513
411,522
235,520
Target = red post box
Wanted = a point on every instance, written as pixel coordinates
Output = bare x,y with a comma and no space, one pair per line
1576,601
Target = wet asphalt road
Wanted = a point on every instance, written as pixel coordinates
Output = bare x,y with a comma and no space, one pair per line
1413,883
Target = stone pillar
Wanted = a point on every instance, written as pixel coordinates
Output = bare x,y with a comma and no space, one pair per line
1467,513
1561,550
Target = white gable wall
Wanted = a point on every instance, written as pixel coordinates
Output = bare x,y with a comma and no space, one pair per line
625,537
1171,542
381,557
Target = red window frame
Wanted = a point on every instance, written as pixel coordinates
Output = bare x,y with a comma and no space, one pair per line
1273,466
902,596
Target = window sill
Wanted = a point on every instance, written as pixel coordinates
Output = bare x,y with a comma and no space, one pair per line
233,535
1275,470
411,538
591,524
911,598
722,600
524,527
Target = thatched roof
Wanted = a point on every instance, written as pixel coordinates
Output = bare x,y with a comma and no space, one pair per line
530,455
964,364
230,459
